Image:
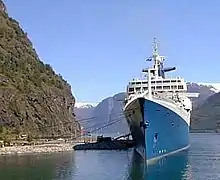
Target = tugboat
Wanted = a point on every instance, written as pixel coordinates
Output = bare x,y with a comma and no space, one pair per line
157,109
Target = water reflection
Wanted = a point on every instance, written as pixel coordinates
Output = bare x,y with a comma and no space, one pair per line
201,162
175,167
37,167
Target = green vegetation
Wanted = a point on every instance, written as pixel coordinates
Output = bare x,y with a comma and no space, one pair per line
34,99
5,135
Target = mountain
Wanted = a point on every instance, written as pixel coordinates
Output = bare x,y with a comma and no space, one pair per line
34,100
204,91
110,109
213,86
84,105
84,111
207,116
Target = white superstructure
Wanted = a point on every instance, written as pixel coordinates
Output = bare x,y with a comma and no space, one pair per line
170,92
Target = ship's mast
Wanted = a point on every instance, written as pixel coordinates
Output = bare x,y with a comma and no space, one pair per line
155,47
156,57
157,69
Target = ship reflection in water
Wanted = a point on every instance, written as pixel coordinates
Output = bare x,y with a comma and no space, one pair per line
175,167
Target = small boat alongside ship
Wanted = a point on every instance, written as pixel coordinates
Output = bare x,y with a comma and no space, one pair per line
157,110
107,143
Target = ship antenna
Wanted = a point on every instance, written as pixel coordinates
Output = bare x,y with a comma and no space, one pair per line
155,47
155,53
156,57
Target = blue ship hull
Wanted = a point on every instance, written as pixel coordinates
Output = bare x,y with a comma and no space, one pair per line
166,131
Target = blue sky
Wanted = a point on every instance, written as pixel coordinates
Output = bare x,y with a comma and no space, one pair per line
99,45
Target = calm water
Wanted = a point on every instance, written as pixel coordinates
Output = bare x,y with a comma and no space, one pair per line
201,162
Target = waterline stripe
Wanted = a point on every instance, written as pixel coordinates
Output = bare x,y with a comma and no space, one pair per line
149,161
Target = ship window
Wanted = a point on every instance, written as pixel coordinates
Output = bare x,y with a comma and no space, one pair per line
131,89
145,88
173,87
159,87
180,87
173,80
166,81
144,82
159,81
153,87
166,87
179,81
138,89
153,82
138,82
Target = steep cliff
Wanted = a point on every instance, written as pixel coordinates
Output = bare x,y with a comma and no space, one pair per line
33,99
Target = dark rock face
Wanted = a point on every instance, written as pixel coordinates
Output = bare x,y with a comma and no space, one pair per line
33,99
207,115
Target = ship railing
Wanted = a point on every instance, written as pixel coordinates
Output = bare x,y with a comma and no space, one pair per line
179,104
161,97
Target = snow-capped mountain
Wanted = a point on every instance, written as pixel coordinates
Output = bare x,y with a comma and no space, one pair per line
84,110
85,105
213,86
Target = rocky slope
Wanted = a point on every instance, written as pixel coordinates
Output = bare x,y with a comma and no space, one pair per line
207,115
33,99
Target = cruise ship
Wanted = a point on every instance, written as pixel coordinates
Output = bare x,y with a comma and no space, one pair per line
157,109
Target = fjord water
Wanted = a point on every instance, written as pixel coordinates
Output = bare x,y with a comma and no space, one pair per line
200,162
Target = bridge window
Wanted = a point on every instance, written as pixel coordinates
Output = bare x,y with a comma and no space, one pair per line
166,87
166,81
131,89
159,87
179,81
138,89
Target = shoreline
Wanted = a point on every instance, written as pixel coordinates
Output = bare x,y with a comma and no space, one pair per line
36,149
